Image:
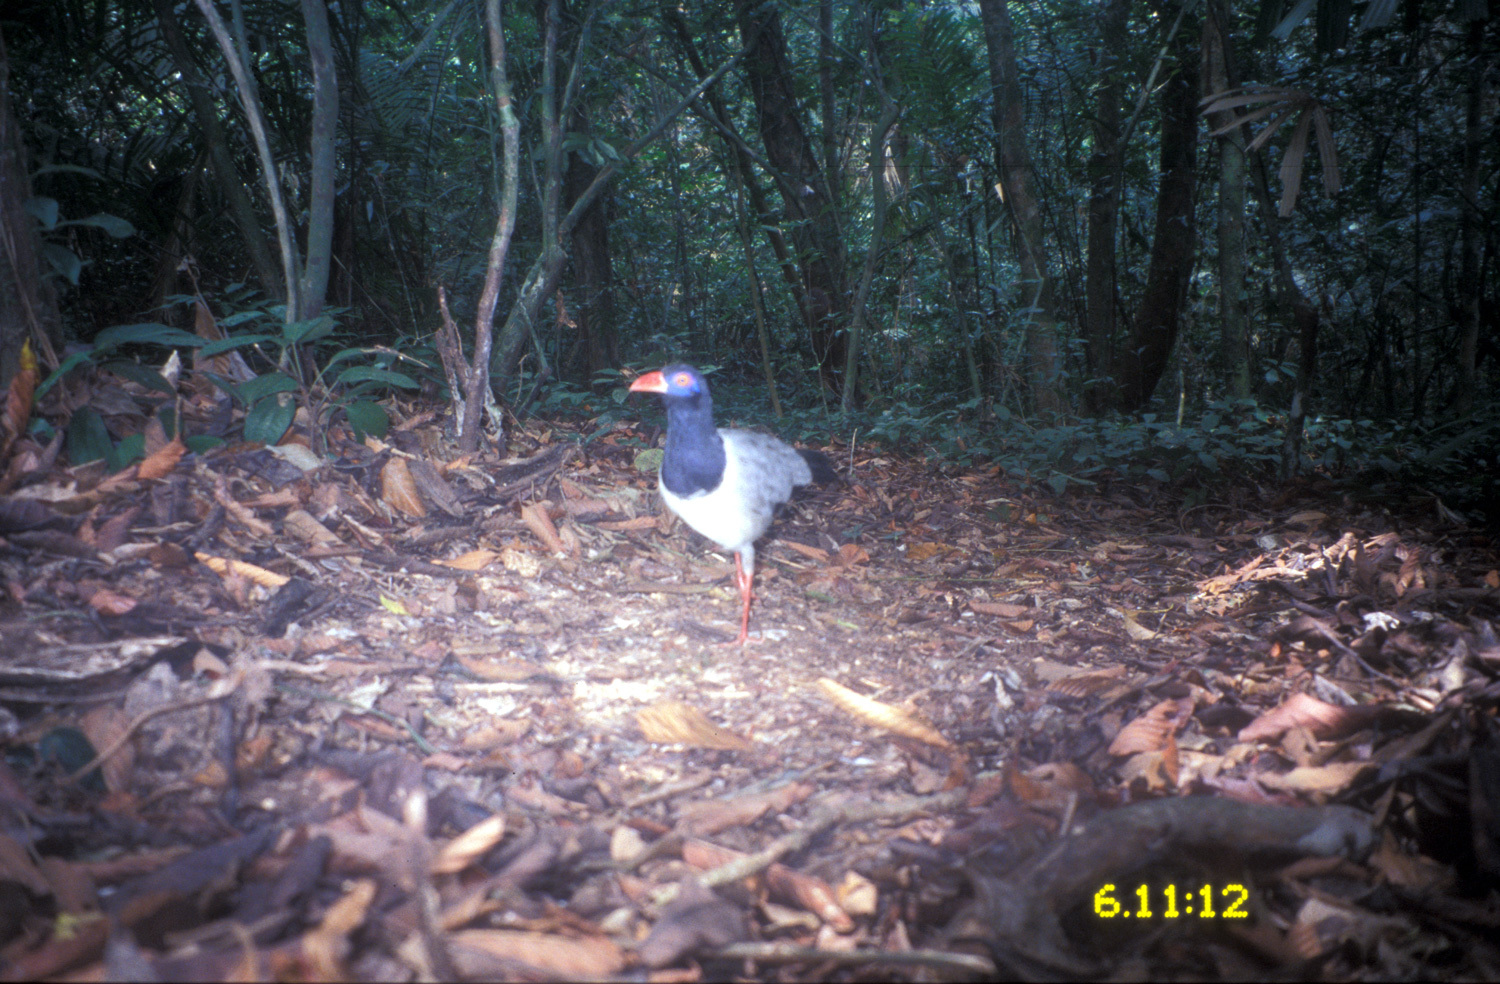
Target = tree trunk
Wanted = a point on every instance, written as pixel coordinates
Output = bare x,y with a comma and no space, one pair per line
810,209
720,118
1471,236
1104,206
1153,331
226,175
1234,352
325,117
593,274
28,307
1014,163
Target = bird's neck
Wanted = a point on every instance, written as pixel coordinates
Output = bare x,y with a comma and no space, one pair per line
693,461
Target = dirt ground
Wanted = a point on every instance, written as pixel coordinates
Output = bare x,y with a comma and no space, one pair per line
392,714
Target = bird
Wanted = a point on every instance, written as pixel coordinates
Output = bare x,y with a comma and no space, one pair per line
724,483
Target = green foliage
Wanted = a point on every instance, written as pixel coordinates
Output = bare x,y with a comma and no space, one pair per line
303,363
56,248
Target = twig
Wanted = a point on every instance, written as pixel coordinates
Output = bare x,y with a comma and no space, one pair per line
958,964
824,819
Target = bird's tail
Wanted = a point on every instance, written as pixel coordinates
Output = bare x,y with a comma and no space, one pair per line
819,465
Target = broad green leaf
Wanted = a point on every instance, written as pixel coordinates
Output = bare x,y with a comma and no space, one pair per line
238,341
253,391
307,330
62,260
130,449
369,374
239,318
269,419
137,373
202,443
43,209
367,417
117,227
145,333
87,172
1059,483
68,365
88,438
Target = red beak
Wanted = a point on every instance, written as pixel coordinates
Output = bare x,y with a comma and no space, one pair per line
651,382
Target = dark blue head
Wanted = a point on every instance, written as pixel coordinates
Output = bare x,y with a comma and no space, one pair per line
674,383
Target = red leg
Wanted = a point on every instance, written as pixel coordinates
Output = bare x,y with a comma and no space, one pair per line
742,581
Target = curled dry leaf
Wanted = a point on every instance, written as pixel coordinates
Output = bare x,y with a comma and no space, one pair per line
534,515
107,602
494,953
474,560
1088,684
161,462
470,845
327,946
673,721
851,554
787,884
711,816
1322,720
238,568
811,553
884,716
1152,731
306,527
399,489
1000,608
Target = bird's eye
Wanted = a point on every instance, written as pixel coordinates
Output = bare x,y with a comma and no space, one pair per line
682,379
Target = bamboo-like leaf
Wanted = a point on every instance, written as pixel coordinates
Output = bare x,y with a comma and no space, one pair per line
1291,165
1264,137
1327,152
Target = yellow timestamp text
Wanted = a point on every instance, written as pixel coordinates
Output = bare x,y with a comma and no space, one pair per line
1172,902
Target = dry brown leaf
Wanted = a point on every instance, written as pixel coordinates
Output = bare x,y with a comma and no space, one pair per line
627,525
926,550
706,817
326,947
492,953
474,560
305,527
851,554
1052,786
1153,731
1322,779
857,895
1088,684
534,515
1322,720
811,893
159,464
108,602
470,845
496,734
1000,608
675,722
18,399
399,489
1136,630
811,553
873,712
238,568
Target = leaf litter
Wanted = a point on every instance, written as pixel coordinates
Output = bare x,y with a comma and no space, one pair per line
396,715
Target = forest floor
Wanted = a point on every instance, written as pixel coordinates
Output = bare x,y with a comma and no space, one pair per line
397,715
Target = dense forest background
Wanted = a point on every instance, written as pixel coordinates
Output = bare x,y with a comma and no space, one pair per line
1162,238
